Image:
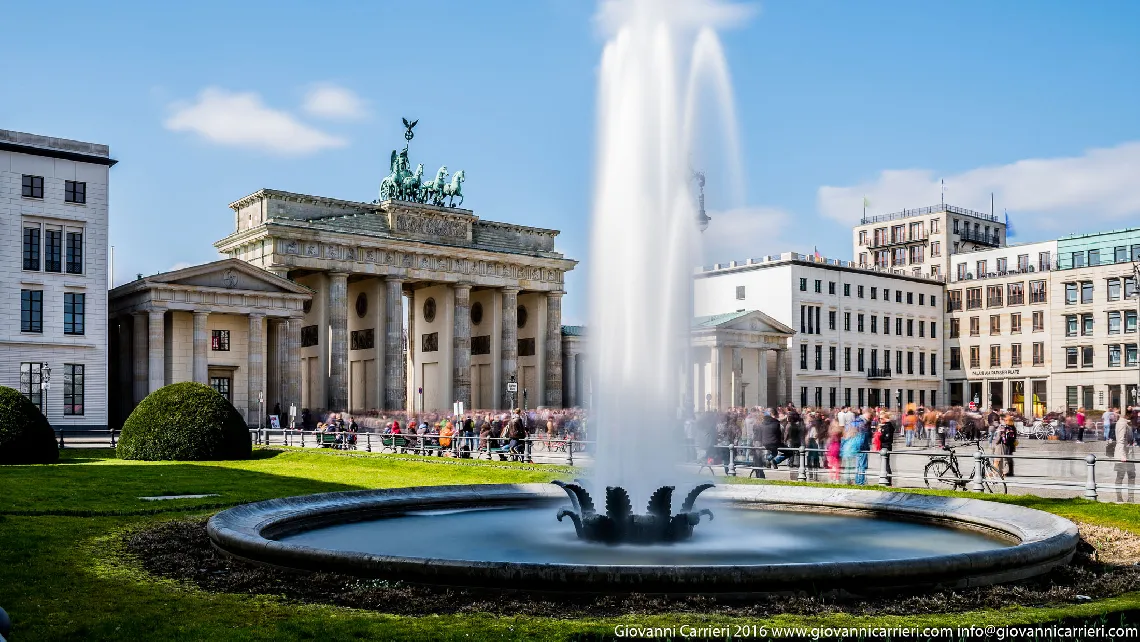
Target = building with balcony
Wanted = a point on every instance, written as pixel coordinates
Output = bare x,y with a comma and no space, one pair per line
921,241
864,335
54,217
998,322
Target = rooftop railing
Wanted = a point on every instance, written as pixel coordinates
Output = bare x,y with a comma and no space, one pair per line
933,209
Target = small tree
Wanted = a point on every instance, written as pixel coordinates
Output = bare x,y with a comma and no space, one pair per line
26,437
185,422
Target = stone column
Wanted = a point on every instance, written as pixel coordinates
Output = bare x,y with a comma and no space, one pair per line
410,375
461,344
714,361
139,342
338,341
554,349
1027,398
737,376
569,377
782,381
510,347
292,371
201,347
255,368
762,378
156,351
280,366
125,379
395,364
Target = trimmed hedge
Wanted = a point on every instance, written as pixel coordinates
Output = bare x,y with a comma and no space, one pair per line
185,422
26,437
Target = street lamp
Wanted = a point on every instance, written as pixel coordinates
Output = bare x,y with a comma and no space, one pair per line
702,218
1136,295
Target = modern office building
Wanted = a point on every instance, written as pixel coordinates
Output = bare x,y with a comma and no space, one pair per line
53,213
998,327
864,335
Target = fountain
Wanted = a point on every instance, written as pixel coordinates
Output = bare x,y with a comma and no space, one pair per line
766,538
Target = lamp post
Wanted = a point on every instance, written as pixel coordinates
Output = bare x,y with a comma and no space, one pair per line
1136,294
702,218
45,384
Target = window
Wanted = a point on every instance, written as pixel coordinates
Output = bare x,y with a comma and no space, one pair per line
933,329
910,327
898,326
1130,320
1070,294
819,286
803,285
32,248
1078,259
933,301
1003,265
1120,254
860,353
955,328
859,319
803,356
1070,325
910,362
222,386
898,362
1038,354
887,294
831,287
31,383
75,253
973,298
831,319
831,350
910,298
921,364
1037,292
993,296
31,310
1129,286
819,357
74,192
995,356
831,397
740,293
1086,357
1044,261
1015,354
861,396
975,326
1094,257
73,389
936,248
1114,289
953,300
921,328
1135,253
995,324
955,358
898,296
847,321
1114,322
1015,293
53,251
220,340
917,254
1130,355
862,237
874,292
33,186
1015,323
73,312
1023,262
1039,321
1086,292
935,225
1070,357
1114,355
846,289
847,359
860,291
1086,325
886,324
874,324
961,271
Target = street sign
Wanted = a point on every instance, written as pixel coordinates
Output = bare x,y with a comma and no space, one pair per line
512,387
261,397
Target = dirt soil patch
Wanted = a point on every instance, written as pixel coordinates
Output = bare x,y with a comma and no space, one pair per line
181,550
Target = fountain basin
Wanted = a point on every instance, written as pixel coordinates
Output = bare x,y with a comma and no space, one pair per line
381,533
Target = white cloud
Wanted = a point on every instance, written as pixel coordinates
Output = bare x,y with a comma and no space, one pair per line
242,120
744,233
335,102
1056,195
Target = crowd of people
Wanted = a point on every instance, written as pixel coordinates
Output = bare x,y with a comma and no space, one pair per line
505,434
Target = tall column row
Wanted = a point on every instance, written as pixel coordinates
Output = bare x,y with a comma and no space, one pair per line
461,345
510,344
395,365
554,349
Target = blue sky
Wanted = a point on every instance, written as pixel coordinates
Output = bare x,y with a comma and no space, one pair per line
205,103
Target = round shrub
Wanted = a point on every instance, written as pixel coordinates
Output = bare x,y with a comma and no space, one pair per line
26,436
186,422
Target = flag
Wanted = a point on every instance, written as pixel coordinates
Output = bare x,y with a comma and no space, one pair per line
866,203
1008,227
817,255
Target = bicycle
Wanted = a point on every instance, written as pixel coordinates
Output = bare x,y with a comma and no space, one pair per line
943,471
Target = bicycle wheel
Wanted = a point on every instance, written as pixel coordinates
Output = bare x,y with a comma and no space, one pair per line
994,481
939,474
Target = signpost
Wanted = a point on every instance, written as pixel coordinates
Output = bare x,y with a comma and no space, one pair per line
292,415
512,388
261,408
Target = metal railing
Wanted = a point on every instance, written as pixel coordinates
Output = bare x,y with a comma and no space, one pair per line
878,373
933,209
991,238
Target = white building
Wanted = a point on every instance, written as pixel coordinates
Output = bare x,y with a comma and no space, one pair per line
864,335
921,241
53,209
998,347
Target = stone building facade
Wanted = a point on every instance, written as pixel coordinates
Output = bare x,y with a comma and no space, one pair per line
482,301
922,241
53,269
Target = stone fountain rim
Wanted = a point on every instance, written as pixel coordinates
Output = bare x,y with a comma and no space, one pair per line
1044,541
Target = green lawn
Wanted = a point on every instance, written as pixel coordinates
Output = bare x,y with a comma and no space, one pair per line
61,576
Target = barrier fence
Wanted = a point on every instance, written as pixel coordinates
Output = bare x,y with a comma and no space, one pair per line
976,470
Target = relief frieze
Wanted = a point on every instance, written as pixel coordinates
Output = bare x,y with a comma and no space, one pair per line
430,226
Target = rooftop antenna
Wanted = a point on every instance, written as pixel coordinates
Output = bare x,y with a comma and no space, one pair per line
991,204
944,194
